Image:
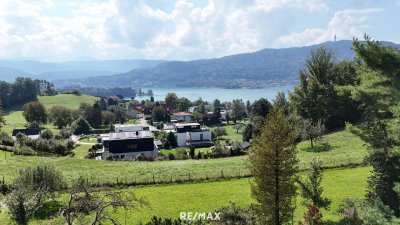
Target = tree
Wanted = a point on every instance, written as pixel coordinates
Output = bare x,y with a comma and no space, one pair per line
311,189
35,112
95,207
158,114
238,111
47,134
2,120
238,126
91,113
261,107
379,93
273,164
248,132
119,113
171,99
61,116
30,190
183,104
312,132
80,126
219,132
316,97
280,103
108,117
171,139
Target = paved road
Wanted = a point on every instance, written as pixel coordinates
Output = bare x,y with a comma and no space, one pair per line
75,139
143,122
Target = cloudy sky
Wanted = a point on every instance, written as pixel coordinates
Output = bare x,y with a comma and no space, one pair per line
58,30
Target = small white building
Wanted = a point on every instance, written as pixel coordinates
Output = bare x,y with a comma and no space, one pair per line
129,127
182,117
192,134
128,145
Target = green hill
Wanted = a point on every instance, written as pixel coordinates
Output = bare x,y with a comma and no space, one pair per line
15,119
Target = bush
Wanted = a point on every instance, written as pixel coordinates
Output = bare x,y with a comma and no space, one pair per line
80,126
171,156
26,151
6,139
181,154
47,134
218,132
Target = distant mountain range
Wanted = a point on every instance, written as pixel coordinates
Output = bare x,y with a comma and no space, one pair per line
267,67
10,69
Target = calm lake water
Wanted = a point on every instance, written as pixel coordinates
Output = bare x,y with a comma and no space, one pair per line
209,94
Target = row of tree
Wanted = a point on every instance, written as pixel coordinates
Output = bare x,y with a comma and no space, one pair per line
24,90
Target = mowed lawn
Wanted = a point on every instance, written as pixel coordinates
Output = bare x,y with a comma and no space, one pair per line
169,200
345,147
15,119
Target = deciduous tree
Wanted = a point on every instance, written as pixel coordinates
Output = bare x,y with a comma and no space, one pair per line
35,112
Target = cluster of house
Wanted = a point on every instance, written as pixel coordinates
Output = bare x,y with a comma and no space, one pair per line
131,140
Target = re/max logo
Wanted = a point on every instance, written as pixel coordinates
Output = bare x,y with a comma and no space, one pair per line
199,216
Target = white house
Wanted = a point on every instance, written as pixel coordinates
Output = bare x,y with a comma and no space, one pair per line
32,133
125,145
182,117
192,134
129,127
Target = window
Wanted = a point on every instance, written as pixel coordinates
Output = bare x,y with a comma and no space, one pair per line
201,137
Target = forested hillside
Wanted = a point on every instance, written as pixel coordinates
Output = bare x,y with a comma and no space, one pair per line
263,68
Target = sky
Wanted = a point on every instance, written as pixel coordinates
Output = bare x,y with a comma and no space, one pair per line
58,30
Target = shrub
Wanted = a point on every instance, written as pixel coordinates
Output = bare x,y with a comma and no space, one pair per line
80,126
47,134
6,139
219,131
181,154
171,156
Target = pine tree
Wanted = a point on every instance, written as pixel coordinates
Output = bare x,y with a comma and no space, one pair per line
273,164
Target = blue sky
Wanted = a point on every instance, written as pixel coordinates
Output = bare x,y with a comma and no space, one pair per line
58,30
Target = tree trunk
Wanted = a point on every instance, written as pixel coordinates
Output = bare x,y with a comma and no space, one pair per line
312,143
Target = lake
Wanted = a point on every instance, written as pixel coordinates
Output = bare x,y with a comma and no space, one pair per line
209,94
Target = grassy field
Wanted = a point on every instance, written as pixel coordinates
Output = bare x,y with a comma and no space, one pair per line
342,148
15,119
170,200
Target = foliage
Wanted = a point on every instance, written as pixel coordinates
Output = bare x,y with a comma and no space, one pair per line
218,132
119,113
280,103
261,107
158,114
61,116
80,126
273,163
47,134
181,154
311,131
313,216
88,206
35,112
236,215
171,140
248,132
183,104
91,113
238,111
6,139
311,189
2,120
30,190
171,99
315,98
107,117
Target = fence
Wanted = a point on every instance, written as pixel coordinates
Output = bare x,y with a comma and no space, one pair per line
194,176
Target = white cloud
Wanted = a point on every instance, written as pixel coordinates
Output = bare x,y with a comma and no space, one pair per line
345,24
166,29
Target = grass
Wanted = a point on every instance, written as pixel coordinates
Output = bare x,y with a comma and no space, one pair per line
197,150
169,200
231,133
15,119
344,147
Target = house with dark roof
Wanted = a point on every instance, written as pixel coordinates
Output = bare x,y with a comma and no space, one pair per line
125,145
32,133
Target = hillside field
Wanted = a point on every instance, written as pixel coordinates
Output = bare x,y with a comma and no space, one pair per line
169,200
335,149
15,119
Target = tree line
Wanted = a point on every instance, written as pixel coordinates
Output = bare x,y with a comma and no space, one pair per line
24,90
